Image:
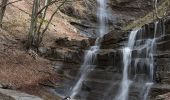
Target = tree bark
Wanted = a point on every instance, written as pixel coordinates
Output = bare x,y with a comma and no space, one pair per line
31,41
2,10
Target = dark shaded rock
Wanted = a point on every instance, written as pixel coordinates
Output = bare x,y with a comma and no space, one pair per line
59,54
87,88
111,39
65,42
167,25
163,97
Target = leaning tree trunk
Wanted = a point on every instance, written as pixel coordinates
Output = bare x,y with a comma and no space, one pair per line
2,10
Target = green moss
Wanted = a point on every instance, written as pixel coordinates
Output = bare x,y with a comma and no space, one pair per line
150,17
41,20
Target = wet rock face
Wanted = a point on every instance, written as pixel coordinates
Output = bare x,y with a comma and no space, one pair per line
108,72
167,24
112,39
105,79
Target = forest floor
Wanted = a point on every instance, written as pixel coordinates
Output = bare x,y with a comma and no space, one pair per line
25,70
22,70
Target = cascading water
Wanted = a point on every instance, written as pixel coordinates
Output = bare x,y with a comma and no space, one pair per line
91,53
85,69
127,51
149,54
148,47
102,14
135,82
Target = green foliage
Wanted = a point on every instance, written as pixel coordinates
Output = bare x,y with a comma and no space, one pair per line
41,20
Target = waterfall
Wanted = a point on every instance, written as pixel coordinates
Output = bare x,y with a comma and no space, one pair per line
147,47
126,82
85,69
90,55
146,90
102,15
149,54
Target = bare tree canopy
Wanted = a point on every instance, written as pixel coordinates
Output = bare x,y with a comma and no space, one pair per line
37,29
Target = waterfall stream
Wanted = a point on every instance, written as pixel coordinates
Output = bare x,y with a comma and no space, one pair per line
150,50
127,51
90,55
137,56
144,66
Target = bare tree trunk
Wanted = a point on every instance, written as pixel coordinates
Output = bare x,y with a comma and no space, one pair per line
33,26
43,18
37,29
2,10
44,4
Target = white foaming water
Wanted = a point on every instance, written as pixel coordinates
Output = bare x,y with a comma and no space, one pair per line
126,82
132,38
90,56
102,16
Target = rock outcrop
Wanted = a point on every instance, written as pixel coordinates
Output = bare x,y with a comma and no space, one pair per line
105,79
82,14
6,94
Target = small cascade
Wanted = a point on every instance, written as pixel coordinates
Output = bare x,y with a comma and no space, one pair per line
90,55
85,69
139,51
127,51
150,49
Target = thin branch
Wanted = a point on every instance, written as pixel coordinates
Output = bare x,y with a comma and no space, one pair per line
21,10
53,16
10,3
46,6
156,9
51,3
